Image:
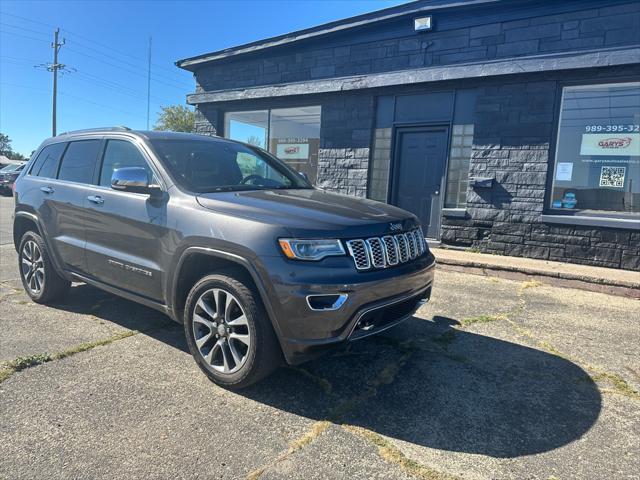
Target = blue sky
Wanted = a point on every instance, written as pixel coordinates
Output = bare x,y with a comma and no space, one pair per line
106,50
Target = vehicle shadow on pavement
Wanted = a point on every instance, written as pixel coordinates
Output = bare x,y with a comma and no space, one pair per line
423,382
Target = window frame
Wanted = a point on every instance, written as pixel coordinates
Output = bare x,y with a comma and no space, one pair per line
596,218
36,157
143,153
100,141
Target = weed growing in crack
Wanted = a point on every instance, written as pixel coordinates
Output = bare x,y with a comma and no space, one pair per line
465,322
392,454
22,363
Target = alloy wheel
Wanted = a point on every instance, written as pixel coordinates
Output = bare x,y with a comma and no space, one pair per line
32,267
221,330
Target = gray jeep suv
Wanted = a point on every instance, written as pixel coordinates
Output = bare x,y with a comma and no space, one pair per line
222,237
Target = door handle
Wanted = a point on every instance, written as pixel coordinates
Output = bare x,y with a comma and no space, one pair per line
46,189
96,199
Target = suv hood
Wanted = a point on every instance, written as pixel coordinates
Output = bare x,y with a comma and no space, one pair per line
309,212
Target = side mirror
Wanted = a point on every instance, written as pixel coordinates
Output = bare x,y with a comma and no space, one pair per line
133,179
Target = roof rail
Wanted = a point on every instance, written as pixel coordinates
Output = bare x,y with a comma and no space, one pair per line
103,129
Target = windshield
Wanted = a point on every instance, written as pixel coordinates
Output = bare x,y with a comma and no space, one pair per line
213,165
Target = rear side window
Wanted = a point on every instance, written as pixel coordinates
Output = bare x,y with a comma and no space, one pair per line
46,165
79,161
121,154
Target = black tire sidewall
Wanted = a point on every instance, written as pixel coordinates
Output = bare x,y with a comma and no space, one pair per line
32,236
252,310
55,285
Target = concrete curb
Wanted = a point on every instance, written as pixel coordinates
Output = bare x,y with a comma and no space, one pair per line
618,287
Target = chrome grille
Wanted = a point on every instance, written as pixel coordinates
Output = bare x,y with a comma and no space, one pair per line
358,250
411,241
376,252
403,248
387,251
390,250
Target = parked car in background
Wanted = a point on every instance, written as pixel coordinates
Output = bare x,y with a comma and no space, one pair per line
223,237
8,175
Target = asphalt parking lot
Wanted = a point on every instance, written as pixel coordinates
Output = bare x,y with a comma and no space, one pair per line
493,379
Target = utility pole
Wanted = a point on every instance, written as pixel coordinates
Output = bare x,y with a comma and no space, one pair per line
149,83
54,67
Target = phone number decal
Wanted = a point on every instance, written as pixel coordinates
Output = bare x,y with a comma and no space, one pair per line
612,128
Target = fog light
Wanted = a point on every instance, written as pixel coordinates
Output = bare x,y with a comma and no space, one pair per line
325,303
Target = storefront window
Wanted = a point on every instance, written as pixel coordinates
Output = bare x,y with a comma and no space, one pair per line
249,127
291,134
598,149
458,172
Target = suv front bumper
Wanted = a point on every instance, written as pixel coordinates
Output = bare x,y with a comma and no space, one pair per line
376,301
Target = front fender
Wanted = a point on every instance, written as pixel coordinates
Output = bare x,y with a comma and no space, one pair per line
249,262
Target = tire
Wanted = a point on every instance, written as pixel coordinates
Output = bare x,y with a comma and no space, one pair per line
229,333
39,278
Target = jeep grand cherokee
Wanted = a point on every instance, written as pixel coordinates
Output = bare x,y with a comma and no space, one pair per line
256,263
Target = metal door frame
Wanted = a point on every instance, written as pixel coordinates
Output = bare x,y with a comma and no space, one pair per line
394,169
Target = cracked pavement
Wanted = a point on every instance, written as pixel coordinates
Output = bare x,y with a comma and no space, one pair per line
493,379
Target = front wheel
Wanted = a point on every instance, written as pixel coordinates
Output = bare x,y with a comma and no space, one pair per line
229,333
39,278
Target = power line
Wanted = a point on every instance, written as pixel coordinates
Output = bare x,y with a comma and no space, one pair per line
24,29
104,46
24,36
167,80
90,78
117,87
137,66
65,94
134,72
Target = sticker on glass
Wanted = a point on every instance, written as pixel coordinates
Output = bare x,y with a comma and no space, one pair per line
612,177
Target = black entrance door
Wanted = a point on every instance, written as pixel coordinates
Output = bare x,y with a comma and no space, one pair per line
420,159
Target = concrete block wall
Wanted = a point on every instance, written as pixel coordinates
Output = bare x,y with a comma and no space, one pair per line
345,139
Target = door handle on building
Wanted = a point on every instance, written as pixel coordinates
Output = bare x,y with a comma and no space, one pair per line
46,189
96,199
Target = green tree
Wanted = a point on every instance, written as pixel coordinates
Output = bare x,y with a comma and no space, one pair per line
6,150
5,145
176,118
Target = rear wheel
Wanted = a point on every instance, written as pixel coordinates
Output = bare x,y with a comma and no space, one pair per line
229,333
39,278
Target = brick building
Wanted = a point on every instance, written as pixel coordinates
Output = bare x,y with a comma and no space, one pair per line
509,126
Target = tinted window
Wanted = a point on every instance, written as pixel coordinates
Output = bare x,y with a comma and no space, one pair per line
79,161
120,154
46,165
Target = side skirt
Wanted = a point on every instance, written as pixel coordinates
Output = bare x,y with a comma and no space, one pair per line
124,294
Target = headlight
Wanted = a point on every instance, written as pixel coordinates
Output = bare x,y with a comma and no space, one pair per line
310,249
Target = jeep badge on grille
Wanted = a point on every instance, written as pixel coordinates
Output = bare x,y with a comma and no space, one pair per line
395,227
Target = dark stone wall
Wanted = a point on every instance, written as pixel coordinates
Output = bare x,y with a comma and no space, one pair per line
514,126
345,139
460,35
